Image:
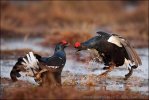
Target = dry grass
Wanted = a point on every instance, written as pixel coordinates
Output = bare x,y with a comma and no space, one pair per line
67,93
13,54
26,91
71,37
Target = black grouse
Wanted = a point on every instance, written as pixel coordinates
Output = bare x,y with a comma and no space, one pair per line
43,69
114,51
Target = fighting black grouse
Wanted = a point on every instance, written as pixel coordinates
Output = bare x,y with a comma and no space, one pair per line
114,51
36,66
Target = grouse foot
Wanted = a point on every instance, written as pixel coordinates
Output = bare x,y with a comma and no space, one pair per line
129,74
38,78
104,74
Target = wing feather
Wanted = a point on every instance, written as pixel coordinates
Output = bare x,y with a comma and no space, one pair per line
132,54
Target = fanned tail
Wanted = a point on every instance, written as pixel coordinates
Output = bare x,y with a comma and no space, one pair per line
27,64
31,64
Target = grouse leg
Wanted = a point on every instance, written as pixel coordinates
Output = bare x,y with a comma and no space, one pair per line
129,74
104,74
38,75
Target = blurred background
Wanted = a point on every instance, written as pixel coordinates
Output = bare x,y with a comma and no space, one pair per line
38,25
75,20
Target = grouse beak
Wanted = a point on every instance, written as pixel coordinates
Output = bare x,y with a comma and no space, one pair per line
81,48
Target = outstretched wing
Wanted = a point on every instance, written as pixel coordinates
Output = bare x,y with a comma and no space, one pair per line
132,55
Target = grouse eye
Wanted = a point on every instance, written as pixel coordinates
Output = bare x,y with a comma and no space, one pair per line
77,44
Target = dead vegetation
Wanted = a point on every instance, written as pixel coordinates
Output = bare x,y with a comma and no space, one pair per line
13,54
71,37
64,92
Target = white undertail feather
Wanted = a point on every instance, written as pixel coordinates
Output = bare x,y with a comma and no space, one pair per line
128,63
31,64
31,61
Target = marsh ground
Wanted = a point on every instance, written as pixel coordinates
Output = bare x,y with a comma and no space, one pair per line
80,73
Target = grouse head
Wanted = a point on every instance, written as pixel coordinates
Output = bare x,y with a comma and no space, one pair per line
93,42
79,46
61,45
89,44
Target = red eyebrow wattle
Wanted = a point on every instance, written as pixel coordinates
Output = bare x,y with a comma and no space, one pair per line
77,44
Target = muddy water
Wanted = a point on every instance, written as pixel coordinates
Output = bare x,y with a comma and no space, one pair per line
84,75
